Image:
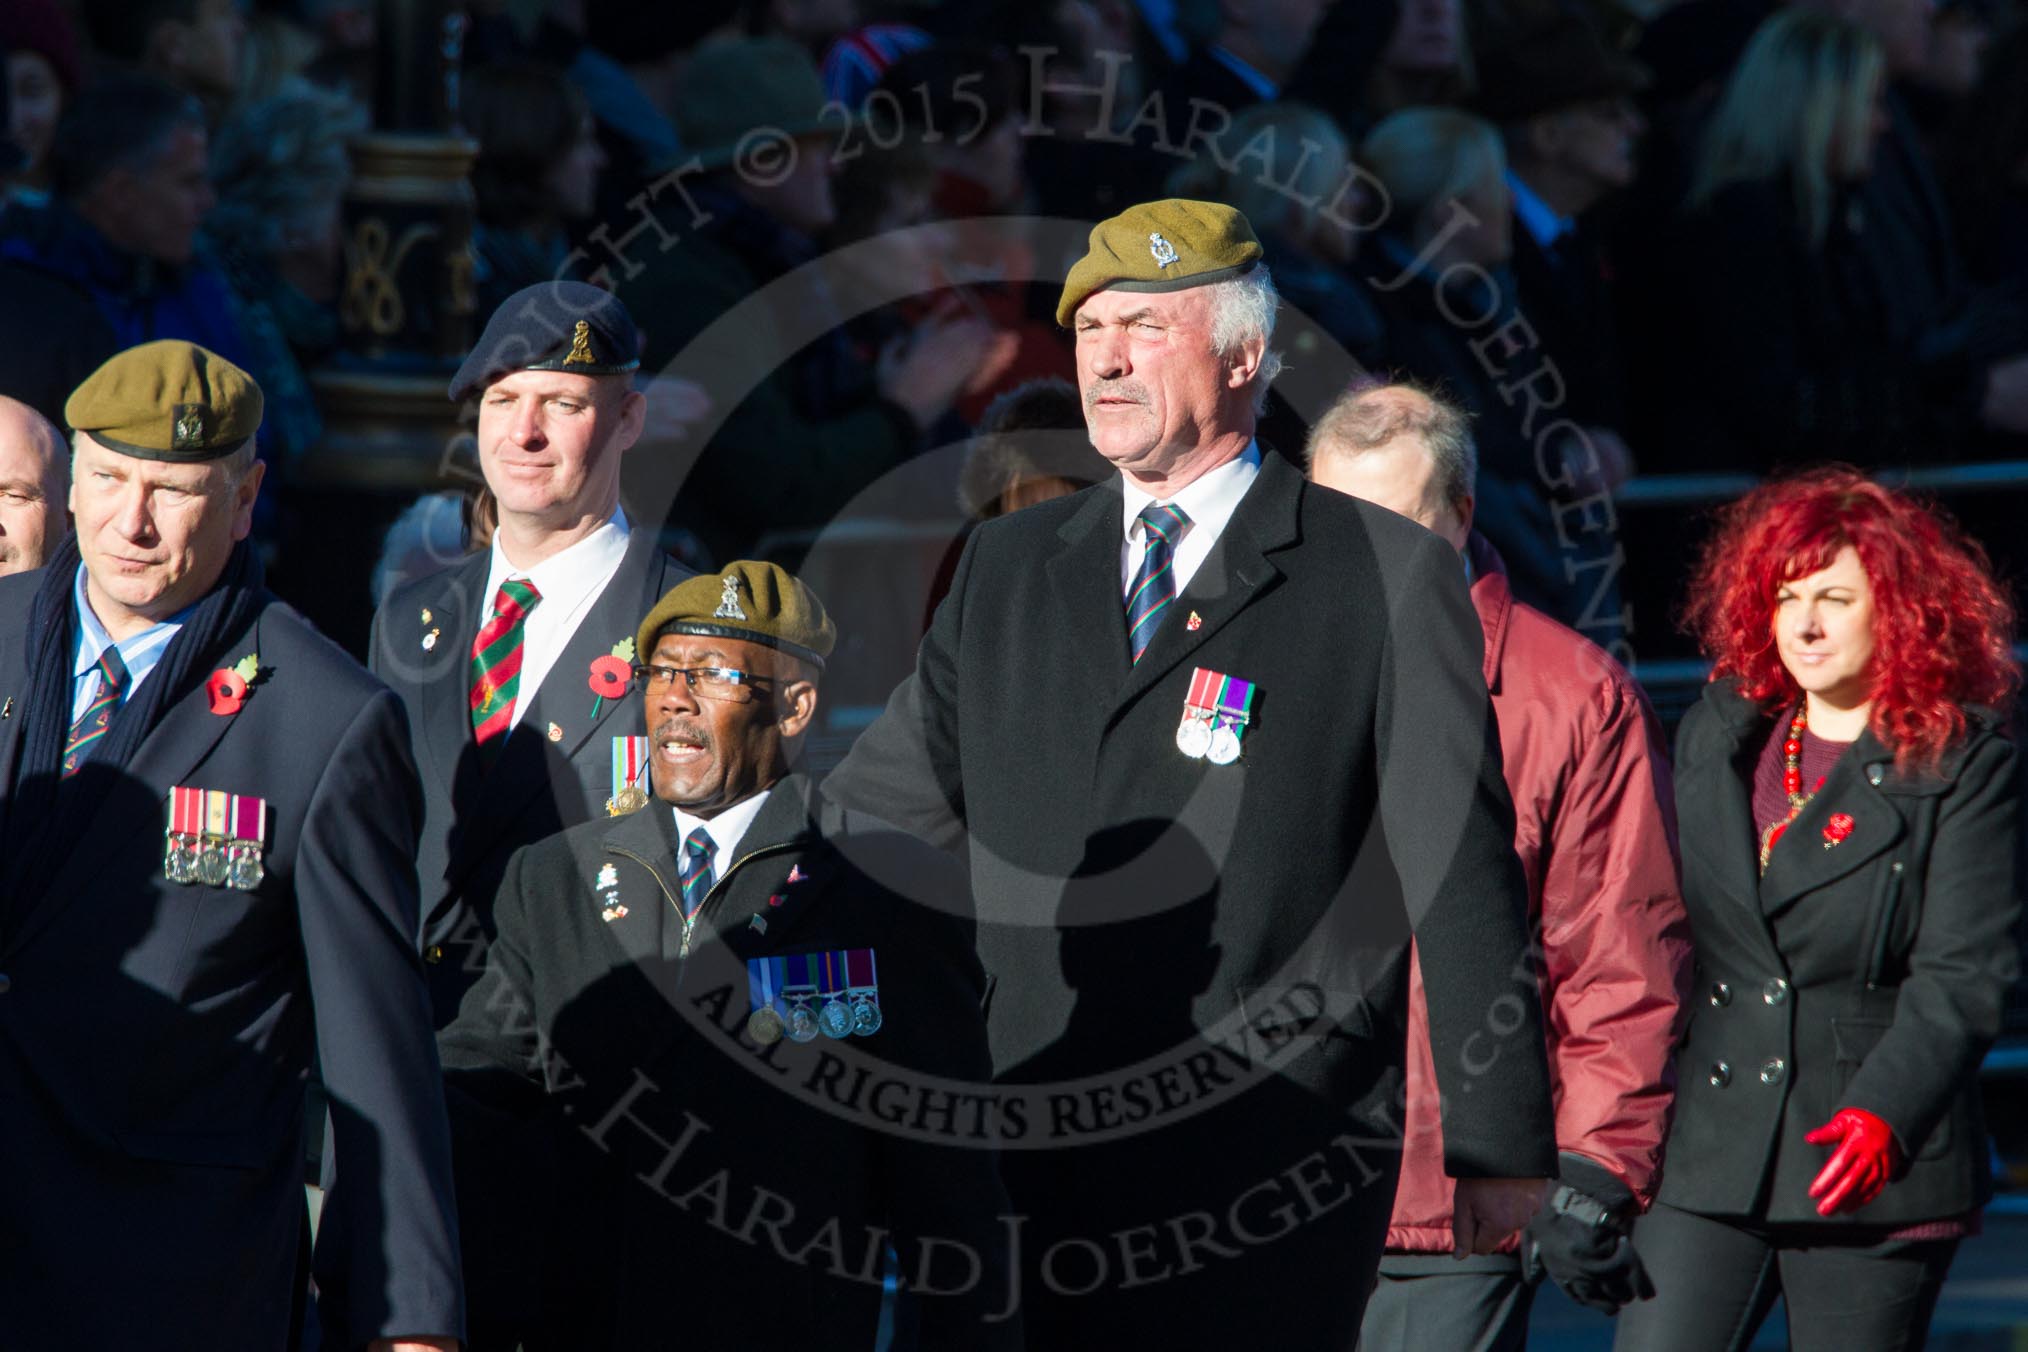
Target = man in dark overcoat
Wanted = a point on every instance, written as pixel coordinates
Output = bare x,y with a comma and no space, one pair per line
745,1063
207,834
555,596
1216,744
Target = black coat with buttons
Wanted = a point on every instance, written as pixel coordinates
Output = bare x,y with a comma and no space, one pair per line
1864,972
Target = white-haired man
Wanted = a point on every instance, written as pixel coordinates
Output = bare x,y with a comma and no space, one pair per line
1217,742
1596,833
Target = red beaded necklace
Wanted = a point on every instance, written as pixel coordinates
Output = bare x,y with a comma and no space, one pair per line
1792,782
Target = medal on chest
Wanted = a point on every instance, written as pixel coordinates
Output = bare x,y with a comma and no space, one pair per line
1216,713
630,769
215,838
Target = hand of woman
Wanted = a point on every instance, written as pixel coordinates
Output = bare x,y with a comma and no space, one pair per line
1859,1168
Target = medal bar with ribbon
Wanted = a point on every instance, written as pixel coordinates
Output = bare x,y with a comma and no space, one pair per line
1193,736
863,978
1215,716
244,867
834,1020
763,980
215,838
1233,711
186,829
802,1020
630,766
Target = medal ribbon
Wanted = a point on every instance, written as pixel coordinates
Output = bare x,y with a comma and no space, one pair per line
629,754
764,979
833,963
1235,697
1201,682
859,969
217,813
249,818
186,811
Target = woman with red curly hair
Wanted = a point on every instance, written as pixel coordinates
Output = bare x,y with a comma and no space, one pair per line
1846,796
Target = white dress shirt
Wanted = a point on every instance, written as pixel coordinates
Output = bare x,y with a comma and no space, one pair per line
727,829
1208,502
570,584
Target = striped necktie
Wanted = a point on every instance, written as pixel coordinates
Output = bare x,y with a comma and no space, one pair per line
1154,585
98,715
694,874
496,659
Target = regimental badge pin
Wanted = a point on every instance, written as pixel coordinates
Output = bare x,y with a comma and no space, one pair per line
609,877
580,346
796,873
608,885
426,615
1162,249
7,709
759,923
728,600
1194,623
555,733
430,639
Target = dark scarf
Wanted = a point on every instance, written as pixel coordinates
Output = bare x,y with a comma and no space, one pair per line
46,813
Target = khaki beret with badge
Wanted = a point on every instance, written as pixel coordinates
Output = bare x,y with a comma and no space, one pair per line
1170,245
167,400
754,602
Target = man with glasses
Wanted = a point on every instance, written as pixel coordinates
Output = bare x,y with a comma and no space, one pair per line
735,1062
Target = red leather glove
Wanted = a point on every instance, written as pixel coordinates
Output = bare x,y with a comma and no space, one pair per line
1866,1157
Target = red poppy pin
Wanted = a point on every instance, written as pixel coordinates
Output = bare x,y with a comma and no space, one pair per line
611,674
227,687
1836,829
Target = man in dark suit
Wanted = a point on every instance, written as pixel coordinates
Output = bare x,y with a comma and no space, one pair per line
720,1048
1563,100
1217,742
513,664
207,837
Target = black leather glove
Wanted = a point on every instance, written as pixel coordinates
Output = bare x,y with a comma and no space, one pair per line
1579,1239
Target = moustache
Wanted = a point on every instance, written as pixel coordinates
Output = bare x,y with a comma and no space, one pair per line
1131,390
677,730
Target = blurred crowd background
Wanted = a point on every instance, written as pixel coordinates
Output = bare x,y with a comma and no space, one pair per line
1645,243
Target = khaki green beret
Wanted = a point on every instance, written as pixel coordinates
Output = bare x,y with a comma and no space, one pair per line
755,602
1160,246
167,400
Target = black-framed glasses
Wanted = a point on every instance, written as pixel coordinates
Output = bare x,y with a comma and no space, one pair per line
722,683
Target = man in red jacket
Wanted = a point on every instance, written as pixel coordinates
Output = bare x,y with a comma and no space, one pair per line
1595,830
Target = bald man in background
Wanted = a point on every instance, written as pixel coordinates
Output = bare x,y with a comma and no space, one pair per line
34,487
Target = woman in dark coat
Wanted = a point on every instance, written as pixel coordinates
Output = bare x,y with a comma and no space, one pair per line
1847,799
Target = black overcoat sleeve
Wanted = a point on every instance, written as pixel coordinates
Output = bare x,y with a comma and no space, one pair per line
388,1243
1449,827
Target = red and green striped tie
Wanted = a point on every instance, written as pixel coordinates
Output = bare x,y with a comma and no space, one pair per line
496,659
98,715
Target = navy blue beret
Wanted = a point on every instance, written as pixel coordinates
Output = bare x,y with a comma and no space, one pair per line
552,326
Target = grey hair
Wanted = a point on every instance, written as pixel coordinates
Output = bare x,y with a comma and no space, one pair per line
1243,311
1368,419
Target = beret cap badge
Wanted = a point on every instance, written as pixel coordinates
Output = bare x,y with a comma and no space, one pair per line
728,601
580,346
188,431
1162,249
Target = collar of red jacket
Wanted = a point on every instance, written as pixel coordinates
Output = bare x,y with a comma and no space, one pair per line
1492,598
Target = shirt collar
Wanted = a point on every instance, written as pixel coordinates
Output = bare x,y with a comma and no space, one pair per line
139,652
1260,84
1208,501
727,829
570,572
1537,216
